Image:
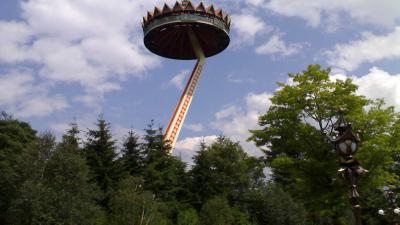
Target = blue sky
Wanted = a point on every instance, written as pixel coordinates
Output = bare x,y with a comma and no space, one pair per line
68,59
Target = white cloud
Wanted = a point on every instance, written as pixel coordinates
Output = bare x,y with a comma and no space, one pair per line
227,111
246,27
23,96
255,2
59,128
14,35
328,13
377,83
179,79
188,147
370,48
196,127
231,78
235,122
276,47
96,44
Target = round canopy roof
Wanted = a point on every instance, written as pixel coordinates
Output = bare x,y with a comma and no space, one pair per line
166,30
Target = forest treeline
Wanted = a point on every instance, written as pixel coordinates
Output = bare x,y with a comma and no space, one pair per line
86,181
95,181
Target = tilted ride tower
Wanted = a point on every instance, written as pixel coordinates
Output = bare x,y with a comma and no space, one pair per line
186,32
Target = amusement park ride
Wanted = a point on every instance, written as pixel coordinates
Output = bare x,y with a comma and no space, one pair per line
186,32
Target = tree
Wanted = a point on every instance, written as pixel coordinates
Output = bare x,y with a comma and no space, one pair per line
164,174
16,138
30,191
100,152
216,211
224,169
132,159
71,138
130,204
188,217
70,197
294,141
271,206
58,191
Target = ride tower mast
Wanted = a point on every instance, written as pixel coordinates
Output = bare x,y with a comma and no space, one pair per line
186,32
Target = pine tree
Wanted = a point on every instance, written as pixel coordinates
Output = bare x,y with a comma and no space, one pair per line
100,152
154,146
164,174
71,138
132,156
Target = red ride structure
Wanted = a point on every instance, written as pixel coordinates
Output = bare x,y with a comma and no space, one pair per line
186,32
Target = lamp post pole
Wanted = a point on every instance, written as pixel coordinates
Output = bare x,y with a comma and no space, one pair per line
346,144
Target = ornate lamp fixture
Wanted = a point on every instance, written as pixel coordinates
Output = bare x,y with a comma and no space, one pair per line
346,144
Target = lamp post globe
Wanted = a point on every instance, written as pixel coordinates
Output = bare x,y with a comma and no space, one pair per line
346,143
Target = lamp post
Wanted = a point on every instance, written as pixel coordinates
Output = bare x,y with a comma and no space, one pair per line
394,210
346,144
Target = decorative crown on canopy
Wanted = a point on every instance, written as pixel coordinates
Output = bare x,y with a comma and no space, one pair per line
183,7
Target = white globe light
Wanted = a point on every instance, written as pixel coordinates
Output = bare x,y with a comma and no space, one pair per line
343,147
381,212
396,210
353,147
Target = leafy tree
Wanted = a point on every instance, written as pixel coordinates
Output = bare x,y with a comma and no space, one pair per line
71,197
188,217
216,211
272,205
293,136
31,169
131,205
16,138
100,152
224,169
57,191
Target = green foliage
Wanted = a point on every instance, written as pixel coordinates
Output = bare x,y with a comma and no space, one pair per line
163,174
85,181
56,192
132,159
274,206
131,205
100,152
224,169
71,138
15,139
188,217
216,211
293,136
71,198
